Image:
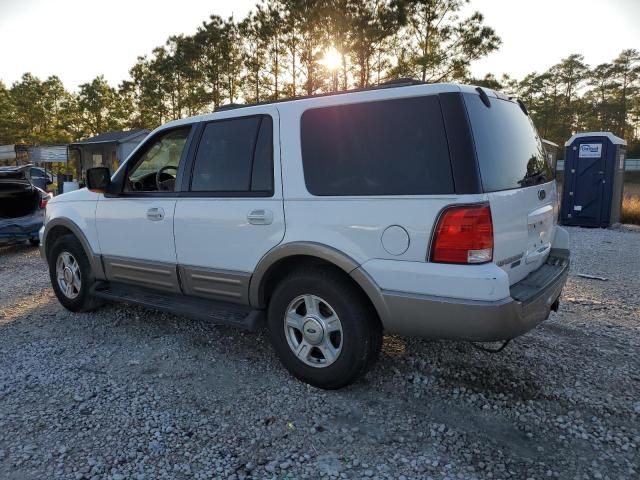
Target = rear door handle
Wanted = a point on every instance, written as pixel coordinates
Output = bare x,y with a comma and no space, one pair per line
155,214
260,217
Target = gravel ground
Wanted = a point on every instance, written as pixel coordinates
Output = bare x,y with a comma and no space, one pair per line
129,393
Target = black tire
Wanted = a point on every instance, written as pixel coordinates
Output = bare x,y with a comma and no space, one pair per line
361,336
34,241
83,301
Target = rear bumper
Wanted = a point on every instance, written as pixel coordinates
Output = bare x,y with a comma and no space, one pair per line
23,228
529,304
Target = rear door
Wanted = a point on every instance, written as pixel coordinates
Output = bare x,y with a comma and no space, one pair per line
523,223
232,213
518,182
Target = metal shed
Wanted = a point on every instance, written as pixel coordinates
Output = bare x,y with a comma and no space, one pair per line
41,156
107,149
593,179
13,154
8,153
48,154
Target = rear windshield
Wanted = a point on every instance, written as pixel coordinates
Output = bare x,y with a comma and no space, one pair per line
388,147
509,149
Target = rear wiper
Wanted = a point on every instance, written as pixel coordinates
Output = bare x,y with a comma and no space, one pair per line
532,178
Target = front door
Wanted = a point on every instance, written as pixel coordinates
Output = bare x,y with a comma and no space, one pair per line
135,225
232,213
587,186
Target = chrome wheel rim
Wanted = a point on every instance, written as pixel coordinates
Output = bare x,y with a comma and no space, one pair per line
68,275
313,331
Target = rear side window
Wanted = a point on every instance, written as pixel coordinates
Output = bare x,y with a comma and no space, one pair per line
389,147
235,155
510,152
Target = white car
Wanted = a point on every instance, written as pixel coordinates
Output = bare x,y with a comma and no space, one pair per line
424,210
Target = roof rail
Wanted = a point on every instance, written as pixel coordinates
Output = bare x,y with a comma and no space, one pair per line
229,106
394,83
401,82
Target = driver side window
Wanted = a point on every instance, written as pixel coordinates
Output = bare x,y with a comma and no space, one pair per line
156,168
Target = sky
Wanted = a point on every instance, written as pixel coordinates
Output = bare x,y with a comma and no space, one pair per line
80,39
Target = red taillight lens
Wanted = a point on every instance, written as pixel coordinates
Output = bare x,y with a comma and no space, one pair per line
464,235
43,202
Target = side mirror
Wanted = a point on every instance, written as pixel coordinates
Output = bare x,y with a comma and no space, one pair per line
98,179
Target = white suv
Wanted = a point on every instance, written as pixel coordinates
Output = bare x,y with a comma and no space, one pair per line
414,209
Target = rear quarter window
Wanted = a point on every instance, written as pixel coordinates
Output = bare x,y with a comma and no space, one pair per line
389,147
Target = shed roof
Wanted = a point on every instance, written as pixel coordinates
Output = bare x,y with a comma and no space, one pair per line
112,137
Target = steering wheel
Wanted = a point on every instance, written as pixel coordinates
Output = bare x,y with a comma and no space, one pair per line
159,182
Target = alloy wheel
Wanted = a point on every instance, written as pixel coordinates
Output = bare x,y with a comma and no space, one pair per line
313,331
68,275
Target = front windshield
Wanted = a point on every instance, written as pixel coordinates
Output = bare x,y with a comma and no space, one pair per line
509,149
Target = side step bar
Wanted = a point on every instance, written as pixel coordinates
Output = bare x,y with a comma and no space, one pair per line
221,313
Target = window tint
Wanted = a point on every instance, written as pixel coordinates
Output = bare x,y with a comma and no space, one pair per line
391,147
509,150
228,153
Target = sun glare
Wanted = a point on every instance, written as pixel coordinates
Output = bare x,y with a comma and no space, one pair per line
331,59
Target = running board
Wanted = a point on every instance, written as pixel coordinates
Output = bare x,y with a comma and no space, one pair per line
221,313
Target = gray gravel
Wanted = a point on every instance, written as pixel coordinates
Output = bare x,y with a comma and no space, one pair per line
128,393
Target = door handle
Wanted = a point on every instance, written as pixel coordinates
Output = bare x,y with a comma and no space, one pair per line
260,217
155,214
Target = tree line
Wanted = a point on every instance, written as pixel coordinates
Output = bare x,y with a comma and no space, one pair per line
288,48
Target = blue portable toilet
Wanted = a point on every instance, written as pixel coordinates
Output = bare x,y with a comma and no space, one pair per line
593,179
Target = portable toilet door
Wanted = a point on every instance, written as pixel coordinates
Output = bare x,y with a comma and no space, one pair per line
593,179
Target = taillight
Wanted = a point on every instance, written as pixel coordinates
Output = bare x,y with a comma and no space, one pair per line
464,234
44,201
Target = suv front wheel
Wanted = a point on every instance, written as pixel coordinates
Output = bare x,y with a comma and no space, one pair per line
71,275
323,328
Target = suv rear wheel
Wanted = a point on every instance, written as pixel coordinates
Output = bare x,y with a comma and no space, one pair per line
323,328
71,275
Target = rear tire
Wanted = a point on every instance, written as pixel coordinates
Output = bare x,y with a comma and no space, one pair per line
71,275
323,328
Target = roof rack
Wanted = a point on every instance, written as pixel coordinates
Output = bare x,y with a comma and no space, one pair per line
229,106
395,83
400,82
